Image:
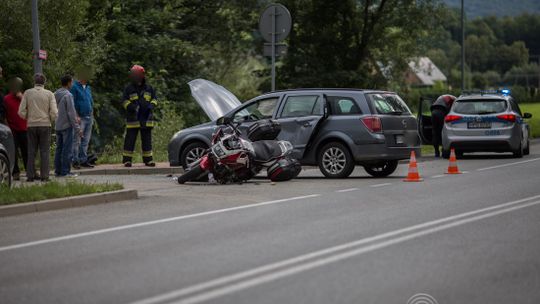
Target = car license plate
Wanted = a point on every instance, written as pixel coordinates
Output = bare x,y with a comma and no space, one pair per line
479,125
400,140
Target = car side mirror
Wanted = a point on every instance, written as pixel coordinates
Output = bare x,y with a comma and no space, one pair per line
225,120
527,115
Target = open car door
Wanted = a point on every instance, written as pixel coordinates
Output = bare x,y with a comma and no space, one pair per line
425,127
300,116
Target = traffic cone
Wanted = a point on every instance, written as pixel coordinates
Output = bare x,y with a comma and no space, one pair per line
413,175
452,166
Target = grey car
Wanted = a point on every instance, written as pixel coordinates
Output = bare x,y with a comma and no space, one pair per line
7,156
483,122
334,129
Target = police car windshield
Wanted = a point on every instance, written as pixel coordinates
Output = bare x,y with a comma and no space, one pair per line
480,107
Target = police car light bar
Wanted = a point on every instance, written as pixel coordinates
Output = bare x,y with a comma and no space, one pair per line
505,92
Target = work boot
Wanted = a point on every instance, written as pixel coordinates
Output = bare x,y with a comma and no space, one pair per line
127,164
76,166
16,176
150,164
87,165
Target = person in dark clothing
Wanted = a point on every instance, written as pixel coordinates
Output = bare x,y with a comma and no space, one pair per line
12,102
439,110
139,101
2,109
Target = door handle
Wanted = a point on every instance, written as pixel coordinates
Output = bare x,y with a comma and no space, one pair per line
307,124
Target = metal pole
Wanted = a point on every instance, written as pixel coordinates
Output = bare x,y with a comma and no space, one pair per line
274,50
462,45
35,37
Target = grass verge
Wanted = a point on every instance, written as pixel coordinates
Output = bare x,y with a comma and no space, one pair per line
534,122
38,192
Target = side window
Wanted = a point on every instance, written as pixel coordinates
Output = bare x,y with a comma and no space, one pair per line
343,106
515,107
261,109
297,106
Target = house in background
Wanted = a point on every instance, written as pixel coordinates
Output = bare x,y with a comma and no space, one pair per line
423,73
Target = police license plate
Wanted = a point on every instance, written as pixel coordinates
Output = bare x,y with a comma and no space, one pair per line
400,140
479,125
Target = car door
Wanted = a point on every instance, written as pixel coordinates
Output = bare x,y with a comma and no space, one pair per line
425,127
264,108
299,116
523,124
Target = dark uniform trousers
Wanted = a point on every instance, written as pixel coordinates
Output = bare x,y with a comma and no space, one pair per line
146,143
437,120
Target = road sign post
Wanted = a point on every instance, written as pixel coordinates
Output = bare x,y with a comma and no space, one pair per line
275,25
35,38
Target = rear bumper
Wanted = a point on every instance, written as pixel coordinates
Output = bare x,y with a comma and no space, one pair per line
481,144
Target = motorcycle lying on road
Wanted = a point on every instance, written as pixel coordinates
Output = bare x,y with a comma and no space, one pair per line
235,159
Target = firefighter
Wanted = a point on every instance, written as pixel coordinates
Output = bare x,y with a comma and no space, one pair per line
139,102
439,110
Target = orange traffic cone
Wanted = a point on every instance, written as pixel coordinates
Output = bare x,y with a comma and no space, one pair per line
452,166
413,175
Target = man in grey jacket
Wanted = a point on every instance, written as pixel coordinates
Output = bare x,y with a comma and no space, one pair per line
67,126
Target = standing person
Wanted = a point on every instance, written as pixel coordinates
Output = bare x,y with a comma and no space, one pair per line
18,126
38,107
439,110
84,105
139,101
66,126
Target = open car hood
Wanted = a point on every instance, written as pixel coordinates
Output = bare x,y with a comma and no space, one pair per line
214,99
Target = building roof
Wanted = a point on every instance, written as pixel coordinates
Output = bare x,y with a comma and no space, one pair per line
426,71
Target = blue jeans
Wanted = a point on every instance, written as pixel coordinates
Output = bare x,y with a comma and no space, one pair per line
80,145
64,148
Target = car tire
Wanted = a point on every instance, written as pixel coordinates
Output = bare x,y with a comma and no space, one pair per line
383,169
6,178
527,150
519,152
335,160
445,154
191,153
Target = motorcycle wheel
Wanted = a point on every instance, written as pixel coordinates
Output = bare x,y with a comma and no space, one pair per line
191,175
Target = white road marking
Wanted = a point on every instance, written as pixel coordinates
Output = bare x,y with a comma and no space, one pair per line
347,190
508,164
270,272
143,224
380,185
438,176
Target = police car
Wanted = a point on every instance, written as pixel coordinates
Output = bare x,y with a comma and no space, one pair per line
486,121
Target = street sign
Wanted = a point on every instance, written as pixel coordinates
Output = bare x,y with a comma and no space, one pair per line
42,55
281,49
275,25
278,27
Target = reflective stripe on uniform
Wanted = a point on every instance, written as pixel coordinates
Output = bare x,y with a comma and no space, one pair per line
133,124
150,124
126,103
147,154
133,97
154,102
128,153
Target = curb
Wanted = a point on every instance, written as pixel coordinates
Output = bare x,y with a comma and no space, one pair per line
69,202
133,171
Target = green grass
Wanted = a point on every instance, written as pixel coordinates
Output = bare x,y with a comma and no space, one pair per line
38,192
534,122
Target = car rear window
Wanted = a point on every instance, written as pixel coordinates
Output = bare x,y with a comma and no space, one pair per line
480,107
389,104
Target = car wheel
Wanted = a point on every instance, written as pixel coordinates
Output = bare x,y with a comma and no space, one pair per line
335,160
527,150
5,172
192,153
446,154
382,169
518,153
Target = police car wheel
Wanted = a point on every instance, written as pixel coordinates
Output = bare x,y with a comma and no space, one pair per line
527,150
446,154
518,153
5,172
382,169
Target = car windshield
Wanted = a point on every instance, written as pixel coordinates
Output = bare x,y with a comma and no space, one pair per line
479,107
389,104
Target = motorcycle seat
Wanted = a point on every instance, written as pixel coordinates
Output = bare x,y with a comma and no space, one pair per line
266,150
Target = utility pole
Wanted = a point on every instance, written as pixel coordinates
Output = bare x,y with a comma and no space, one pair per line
35,38
462,45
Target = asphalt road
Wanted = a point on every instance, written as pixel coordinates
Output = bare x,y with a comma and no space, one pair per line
470,238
